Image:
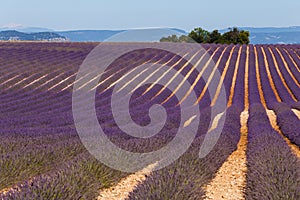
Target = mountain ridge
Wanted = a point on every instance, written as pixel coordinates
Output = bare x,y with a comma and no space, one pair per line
258,35
12,35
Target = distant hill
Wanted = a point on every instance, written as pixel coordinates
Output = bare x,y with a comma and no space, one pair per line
88,35
143,35
271,35
24,29
273,29
268,35
275,38
265,35
20,36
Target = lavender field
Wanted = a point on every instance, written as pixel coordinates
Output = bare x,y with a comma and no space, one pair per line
42,156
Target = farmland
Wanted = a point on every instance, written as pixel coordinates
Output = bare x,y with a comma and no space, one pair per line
42,156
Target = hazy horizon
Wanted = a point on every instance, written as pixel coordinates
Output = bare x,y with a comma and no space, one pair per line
13,26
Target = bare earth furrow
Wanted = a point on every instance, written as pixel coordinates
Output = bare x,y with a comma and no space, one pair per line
270,76
126,185
230,100
273,120
297,113
230,179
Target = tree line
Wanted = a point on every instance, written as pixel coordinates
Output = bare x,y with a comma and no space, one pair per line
199,35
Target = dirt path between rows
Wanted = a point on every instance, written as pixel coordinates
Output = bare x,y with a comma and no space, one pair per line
126,185
297,113
230,180
273,120
15,188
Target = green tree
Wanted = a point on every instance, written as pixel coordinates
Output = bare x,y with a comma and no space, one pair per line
244,37
200,35
215,37
235,36
175,38
172,38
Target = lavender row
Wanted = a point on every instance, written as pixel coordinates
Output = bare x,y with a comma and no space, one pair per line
23,138
286,76
80,178
253,93
35,159
185,178
239,90
288,122
266,85
273,170
231,68
280,88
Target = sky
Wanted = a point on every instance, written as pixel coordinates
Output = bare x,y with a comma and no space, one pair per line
129,14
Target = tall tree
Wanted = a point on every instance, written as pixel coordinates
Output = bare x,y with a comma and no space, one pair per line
200,35
215,37
234,36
